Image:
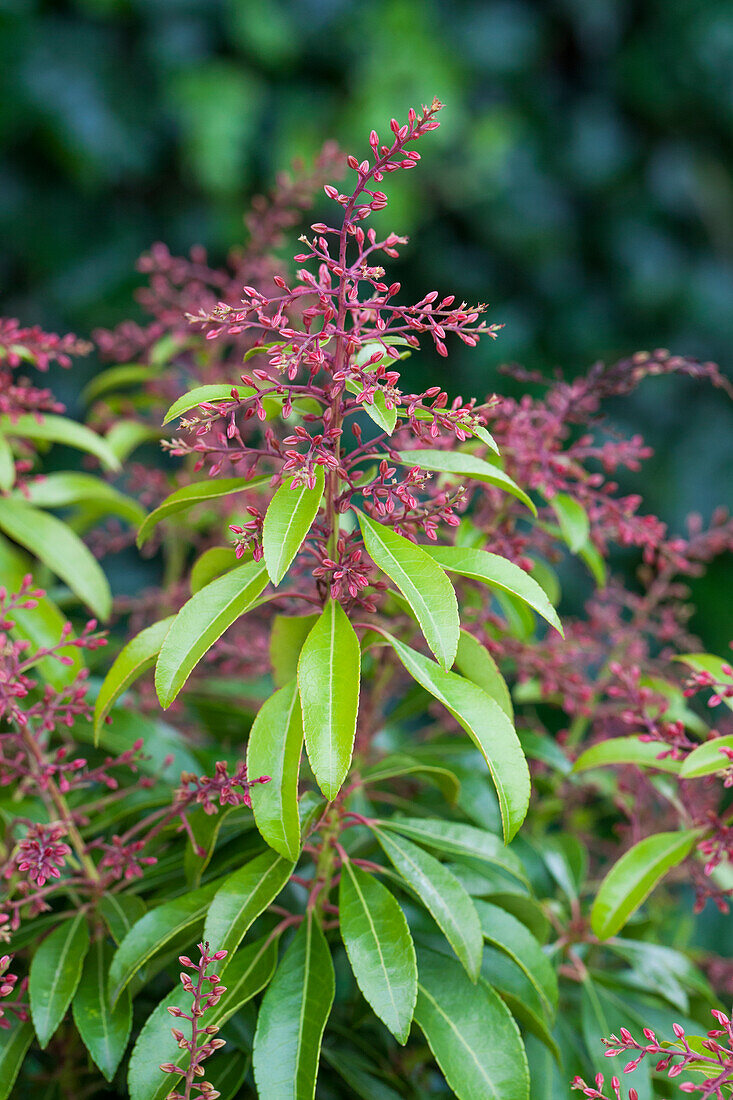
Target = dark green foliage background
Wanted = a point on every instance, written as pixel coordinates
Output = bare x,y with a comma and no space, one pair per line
580,181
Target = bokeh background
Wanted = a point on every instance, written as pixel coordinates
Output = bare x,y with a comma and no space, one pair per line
581,181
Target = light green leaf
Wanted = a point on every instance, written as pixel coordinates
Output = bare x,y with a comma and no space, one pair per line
293,1017
55,973
201,492
511,936
465,465
62,490
634,876
328,681
242,897
153,931
117,377
626,750
14,1043
474,661
103,1030
519,995
138,655
421,581
377,411
380,948
125,436
59,429
716,666
286,641
486,724
456,839
56,545
499,573
289,518
201,622
442,895
212,563
707,759
7,465
215,392
274,749
471,1033
247,973
573,520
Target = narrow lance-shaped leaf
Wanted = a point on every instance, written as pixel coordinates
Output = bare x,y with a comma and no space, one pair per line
573,520
474,661
14,1043
511,936
56,545
627,750
707,759
634,876
465,465
274,748
380,948
421,581
487,725
719,669
138,655
59,429
55,972
201,492
499,573
61,490
212,563
201,622
456,839
242,897
104,1030
288,520
201,395
286,641
293,1017
7,465
328,681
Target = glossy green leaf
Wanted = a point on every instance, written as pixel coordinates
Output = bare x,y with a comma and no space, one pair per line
359,1074
471,1033
242,897
286,641
634,876
442,895
421,581
293,1017
210,565
59,429
626,750
573,520
716,666
104,1030
486,724
56,545
247,973
274,749
474,661
153,931
120,912
201,492
289,518
456,839
137,656
328,681
707,759
201,622
380,948
214,392
55,972
14,1043
465,465
498,573
7,465
511,936
61,490
519,995
399,764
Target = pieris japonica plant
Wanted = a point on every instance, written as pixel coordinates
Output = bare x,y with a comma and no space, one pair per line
357,662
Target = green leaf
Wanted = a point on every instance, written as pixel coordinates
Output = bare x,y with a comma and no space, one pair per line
153,931
474,661
399,764
471,1033
456,839
201,622
242,897
293,1017
289,518
486,724
59,429
626,750
247,973
707,759
212,563
421,581
137,656
499,573
634,876
716,666
125,436
56,545
465,465
7,465
120,912
442,895
328,681
201,492
511,936
274,749
358,1073
62,490
519,995
573,520
117,377
14,1043
103,1030
286,641
377,411
55,973
214,392
380,948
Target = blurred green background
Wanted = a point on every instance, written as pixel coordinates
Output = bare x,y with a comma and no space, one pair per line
581,181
